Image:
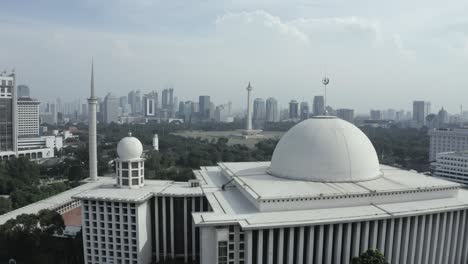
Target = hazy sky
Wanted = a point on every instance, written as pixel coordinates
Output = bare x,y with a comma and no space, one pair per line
379,54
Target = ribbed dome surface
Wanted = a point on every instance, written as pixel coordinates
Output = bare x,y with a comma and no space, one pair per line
325,149
129,148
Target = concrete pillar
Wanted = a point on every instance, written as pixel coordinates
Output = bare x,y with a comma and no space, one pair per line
171,217
455,236
280,245
427,239
338,239
383,236
310,245
434,241
156,223
329,246
405,242
347,243
319,255
248,246
373,234
260,246
365,238
194,248
164,227
396,249
464,258
461,237
270,246
185,231
420,239
448,237
441,241
290,246
413,239
300,247
356,240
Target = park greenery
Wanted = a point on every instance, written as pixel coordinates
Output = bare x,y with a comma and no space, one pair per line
371,256
38,238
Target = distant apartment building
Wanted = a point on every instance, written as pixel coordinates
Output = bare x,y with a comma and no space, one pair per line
23,91
319,106
375,115
452,166
446,140
271,110
111,109
150,104
293,109
420,110
345,114
28,117
259,110
204,106
8,129
304,110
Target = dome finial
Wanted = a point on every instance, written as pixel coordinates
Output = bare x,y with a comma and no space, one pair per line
129,134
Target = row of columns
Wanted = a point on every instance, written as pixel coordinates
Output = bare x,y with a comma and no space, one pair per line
432,239
168,247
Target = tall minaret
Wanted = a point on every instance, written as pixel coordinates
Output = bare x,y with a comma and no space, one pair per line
249,109
92,103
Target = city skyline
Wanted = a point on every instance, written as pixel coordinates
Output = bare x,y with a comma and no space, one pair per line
282,49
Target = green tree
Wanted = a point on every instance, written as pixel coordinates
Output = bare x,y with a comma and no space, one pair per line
371,256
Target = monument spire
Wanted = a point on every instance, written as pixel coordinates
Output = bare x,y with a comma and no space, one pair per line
92,79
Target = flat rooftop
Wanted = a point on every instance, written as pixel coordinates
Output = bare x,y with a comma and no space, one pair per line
247,187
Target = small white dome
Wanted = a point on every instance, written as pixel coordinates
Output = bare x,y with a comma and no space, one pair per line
325,149
129,148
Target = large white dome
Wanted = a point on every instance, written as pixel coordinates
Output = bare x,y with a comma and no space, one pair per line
129,148
325,149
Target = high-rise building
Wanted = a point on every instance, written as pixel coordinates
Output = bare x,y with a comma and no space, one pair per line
375,115
319,105
272,114
345,114
293,109
304,110
446,140
165,99
28,117
259,110
8,124
132,101
111,109
443,117
23,91
150,104
204,106
452,166
420,110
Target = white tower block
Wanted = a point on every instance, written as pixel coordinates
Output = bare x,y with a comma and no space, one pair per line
156,142
92,103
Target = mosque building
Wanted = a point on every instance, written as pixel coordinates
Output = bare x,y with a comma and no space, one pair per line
323,198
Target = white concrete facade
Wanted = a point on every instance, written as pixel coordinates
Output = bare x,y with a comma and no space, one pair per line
452,166
445,140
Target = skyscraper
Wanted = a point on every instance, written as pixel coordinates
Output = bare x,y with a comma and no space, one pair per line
150,104
8,101
23,91
272,114
132,101
420,110
259,109
319,105
304,110
204,106
293,109
345,114
28,117
375,115
111,109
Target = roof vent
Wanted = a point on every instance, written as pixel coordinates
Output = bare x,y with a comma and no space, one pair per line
194,183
